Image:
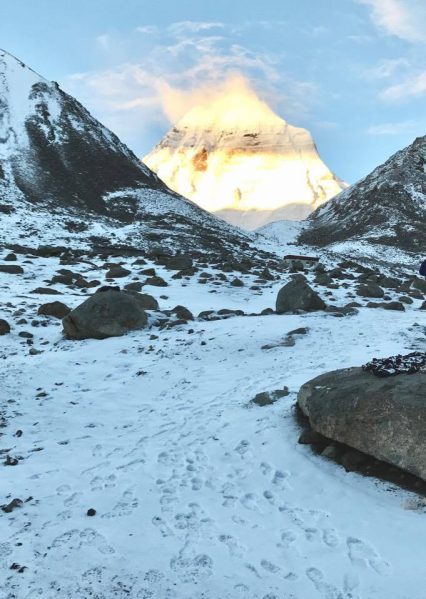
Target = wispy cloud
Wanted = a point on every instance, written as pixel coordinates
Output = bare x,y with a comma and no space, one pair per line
177,65
392,128
405,19
413,87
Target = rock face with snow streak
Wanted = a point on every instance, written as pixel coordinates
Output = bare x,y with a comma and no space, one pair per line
60,167
236,158
387,207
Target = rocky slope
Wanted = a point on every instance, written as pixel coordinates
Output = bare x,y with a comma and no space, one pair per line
235,157
66,179
388,207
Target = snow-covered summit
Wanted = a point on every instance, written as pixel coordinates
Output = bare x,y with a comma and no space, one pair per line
387,207
234,156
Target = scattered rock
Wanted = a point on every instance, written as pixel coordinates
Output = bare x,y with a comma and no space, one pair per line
178,262
267,398
370,290
387,305
156,282
91,512
107,314
116,271
46,291
237,283
183,313
136,286
15,503
298,296
55,309
4,327
11,269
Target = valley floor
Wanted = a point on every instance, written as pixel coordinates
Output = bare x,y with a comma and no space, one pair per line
197,495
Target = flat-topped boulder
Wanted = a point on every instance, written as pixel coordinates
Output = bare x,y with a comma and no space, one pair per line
382,416
111,313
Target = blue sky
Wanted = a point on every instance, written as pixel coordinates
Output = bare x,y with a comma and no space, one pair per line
351,71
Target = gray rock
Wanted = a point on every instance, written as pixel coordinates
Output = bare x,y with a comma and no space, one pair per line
370,290
267,398
136,286
382,417
183,313
55,309
297,295
107,314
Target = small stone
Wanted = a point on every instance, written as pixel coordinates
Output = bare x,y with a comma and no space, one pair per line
91,512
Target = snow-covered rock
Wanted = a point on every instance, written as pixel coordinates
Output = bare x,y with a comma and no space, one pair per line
235,157
388,207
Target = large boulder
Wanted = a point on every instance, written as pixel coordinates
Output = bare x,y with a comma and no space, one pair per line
108,314
382,417
298,296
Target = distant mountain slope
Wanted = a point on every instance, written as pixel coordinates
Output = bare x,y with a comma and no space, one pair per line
388,207
59,168
235,157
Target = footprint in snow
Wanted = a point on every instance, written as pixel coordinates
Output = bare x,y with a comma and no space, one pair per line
362,554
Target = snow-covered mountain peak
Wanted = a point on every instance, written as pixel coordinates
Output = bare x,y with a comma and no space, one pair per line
234,156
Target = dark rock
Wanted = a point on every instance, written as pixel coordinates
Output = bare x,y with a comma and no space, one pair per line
148,272
11,269
297,295
387,305
156,282
405,299
116,272
4,327
370,290
11,257
352,460
237,283
46,291
267,398
381,417
55,309
15,503
107,314
419,284
136,286
178,262
91,512
311,437
183,313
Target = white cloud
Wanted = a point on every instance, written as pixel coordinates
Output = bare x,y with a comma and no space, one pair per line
387,68
405,19
413,87
392,128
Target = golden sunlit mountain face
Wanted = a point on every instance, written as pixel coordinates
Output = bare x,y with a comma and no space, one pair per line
232,154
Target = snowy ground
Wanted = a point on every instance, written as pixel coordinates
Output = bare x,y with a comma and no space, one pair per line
196,494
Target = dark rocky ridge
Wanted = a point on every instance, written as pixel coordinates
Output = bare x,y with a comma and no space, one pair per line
387,207
59,166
